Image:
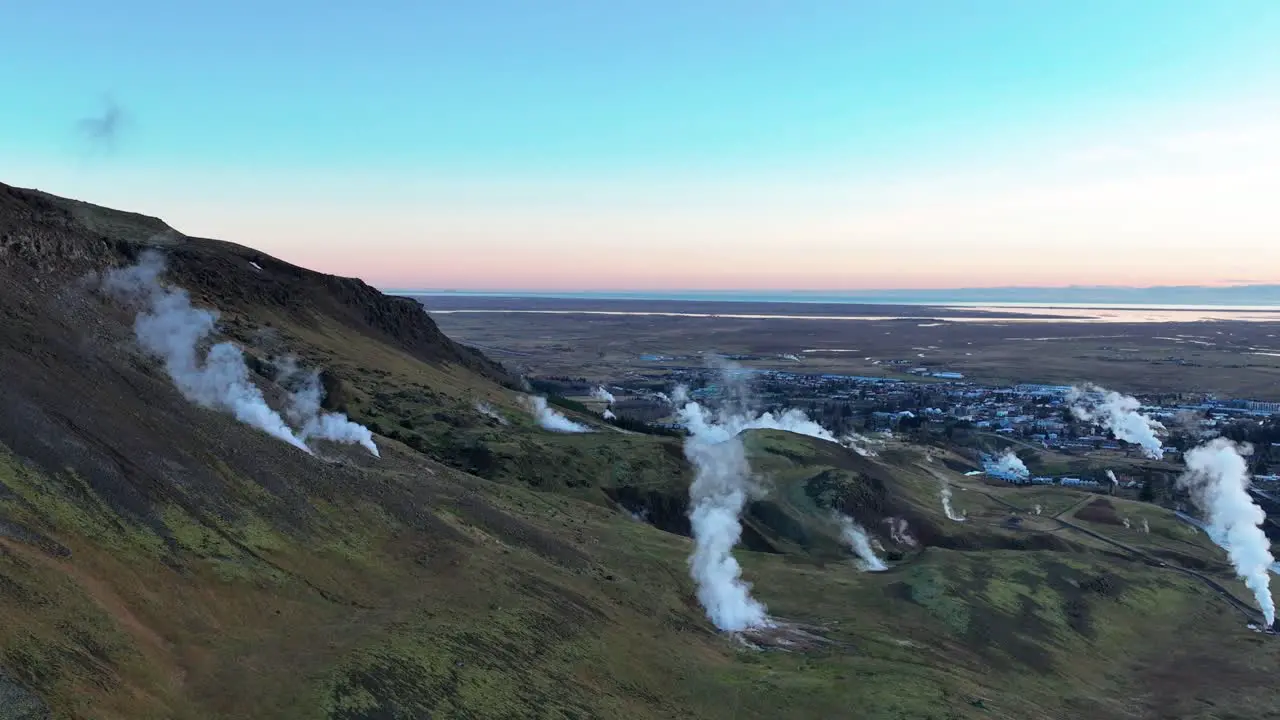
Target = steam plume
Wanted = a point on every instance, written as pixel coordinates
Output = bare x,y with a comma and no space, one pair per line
1038,509
550,419
721,487
899,531
1118,414
1217,478
1146,527
1008,466
1112,477
487,410
606,397
169,328
717,497
859,444
680,396
305,411
946,503
855,536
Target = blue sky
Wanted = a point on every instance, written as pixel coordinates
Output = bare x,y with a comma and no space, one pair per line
563,134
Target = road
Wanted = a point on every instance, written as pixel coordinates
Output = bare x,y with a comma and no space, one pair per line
1245,608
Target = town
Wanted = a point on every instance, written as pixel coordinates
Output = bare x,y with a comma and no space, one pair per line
944,406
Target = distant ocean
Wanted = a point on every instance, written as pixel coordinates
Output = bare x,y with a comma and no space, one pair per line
1243,298
1038,305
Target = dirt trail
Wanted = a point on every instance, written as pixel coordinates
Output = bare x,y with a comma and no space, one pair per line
1245,608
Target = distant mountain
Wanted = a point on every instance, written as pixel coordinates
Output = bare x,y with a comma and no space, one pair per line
1162,295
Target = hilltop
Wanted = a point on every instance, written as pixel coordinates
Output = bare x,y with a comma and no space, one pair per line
161,560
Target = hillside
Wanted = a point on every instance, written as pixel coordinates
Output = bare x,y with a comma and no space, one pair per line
162,560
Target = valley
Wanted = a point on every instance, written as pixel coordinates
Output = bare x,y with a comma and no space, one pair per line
160,558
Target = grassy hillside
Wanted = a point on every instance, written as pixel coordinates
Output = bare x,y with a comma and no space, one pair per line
159,560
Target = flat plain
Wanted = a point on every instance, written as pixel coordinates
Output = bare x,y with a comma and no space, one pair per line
614,339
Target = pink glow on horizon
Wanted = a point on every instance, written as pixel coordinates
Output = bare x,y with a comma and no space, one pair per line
1182,204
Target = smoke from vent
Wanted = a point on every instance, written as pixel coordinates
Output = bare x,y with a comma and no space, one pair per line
608,414
549,419
1112,477
1118,414
1217,478
855,536
1038,509
1008,466
602,395
169,328
1146,527
313,422
1127,526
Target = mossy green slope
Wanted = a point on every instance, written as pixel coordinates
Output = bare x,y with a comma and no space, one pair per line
158,560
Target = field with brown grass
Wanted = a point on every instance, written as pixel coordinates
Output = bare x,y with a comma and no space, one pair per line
1226,357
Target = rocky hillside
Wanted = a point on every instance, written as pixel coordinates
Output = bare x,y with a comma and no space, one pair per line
160,559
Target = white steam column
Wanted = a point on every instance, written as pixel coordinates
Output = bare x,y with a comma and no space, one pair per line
1120,415
1217,478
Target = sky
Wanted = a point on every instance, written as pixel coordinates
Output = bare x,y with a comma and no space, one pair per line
649,144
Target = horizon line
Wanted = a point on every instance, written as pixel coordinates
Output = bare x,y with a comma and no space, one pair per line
820,291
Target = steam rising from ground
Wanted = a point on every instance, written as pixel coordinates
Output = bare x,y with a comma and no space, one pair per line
1217,478
859,444
1112,477
855,536
792,421
550,419
946,503
680,396
899,531
487,410
1119,415
305,411
718,494
172,330
721,488
606,397
169,328
1007,465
